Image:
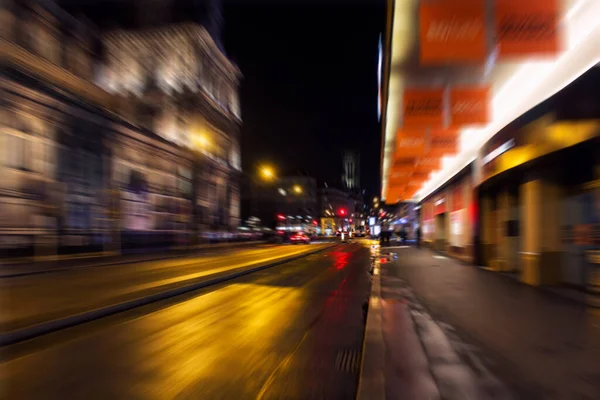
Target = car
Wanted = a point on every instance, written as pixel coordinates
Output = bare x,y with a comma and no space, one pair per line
299,237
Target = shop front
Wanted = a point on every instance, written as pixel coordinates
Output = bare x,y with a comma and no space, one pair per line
447,217
538,215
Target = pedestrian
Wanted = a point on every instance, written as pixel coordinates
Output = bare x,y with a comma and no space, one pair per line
385,234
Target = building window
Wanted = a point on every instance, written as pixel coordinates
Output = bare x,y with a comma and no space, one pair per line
234,204
47,45
234,157
211,192
234,103
7,23
209,84
17,152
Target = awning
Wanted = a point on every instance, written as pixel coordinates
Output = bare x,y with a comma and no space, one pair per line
458,71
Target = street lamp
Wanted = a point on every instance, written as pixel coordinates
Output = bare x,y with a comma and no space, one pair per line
267,173
375,199
297,189
201,141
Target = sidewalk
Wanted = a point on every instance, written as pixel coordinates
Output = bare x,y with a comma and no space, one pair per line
442,329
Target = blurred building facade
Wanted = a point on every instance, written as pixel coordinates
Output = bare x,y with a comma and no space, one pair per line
528,204
119,148
290,201
340,209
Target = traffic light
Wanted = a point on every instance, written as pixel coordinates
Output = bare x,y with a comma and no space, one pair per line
342,211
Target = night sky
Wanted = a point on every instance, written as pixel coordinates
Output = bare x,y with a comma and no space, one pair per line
310,84
310,76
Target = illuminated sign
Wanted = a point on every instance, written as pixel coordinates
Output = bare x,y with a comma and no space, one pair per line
423,107
469,105
452,32
498,151
528,28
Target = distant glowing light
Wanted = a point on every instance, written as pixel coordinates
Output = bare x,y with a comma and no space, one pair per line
267,172
201,141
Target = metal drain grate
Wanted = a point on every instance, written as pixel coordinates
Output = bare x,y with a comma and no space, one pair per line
347,361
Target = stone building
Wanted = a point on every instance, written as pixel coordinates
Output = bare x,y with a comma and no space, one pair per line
185,90
97,155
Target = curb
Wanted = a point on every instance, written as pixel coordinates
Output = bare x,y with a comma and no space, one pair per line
371,384
78,319
18,261
106,263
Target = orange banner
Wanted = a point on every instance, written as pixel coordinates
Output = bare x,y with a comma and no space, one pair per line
469,106
398,182
452,32
411,188
423,108
527,27
394,194
440,147
417,181
428,164
404,174
410,143
420,176
403,163
410,194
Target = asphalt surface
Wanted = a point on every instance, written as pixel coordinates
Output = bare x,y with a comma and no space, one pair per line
34,299
293,331
541,346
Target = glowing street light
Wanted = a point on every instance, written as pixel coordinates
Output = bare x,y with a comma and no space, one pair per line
375,200
297,189
267,173
201,141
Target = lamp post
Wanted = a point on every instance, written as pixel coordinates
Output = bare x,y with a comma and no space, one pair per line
267,173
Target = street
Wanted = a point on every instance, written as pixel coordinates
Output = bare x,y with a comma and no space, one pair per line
290,331
43,297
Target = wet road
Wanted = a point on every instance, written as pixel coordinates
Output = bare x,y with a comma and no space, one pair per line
292,331
31,300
